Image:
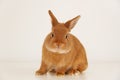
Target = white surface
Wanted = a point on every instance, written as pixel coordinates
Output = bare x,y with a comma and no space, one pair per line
25,23
25,71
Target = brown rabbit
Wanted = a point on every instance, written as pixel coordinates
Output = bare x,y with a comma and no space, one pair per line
62,52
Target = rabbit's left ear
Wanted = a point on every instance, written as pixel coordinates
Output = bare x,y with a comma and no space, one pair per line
71,23
53,18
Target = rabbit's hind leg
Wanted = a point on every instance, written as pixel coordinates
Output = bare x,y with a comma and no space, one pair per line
82,68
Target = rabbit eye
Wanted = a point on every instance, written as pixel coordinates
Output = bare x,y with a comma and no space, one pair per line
52,35
66,36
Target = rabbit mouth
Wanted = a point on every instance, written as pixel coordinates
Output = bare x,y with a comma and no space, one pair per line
58,50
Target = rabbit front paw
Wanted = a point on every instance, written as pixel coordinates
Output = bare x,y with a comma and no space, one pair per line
40,72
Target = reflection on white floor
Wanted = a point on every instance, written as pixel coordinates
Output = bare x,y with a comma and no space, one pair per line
53,77
26,71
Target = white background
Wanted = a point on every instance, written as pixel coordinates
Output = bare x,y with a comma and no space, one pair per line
25,23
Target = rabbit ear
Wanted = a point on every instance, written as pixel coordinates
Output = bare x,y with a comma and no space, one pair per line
71,23
53,18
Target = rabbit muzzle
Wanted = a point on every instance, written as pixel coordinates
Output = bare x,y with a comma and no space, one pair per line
58,48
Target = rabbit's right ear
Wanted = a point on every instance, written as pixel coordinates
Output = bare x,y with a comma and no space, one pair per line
71,23
53,18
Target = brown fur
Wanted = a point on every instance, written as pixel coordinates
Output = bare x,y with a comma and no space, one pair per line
62,52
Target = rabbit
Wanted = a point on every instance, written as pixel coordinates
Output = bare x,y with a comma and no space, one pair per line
62,52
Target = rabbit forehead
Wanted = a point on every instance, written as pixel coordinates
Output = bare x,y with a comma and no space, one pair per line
60,29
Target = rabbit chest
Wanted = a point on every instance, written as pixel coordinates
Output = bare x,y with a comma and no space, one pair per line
58,60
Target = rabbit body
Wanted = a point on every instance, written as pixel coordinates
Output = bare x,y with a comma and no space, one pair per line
62,52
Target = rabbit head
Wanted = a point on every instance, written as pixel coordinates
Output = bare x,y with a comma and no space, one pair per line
60,40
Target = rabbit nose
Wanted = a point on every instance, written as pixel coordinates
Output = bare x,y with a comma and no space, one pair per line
58,45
